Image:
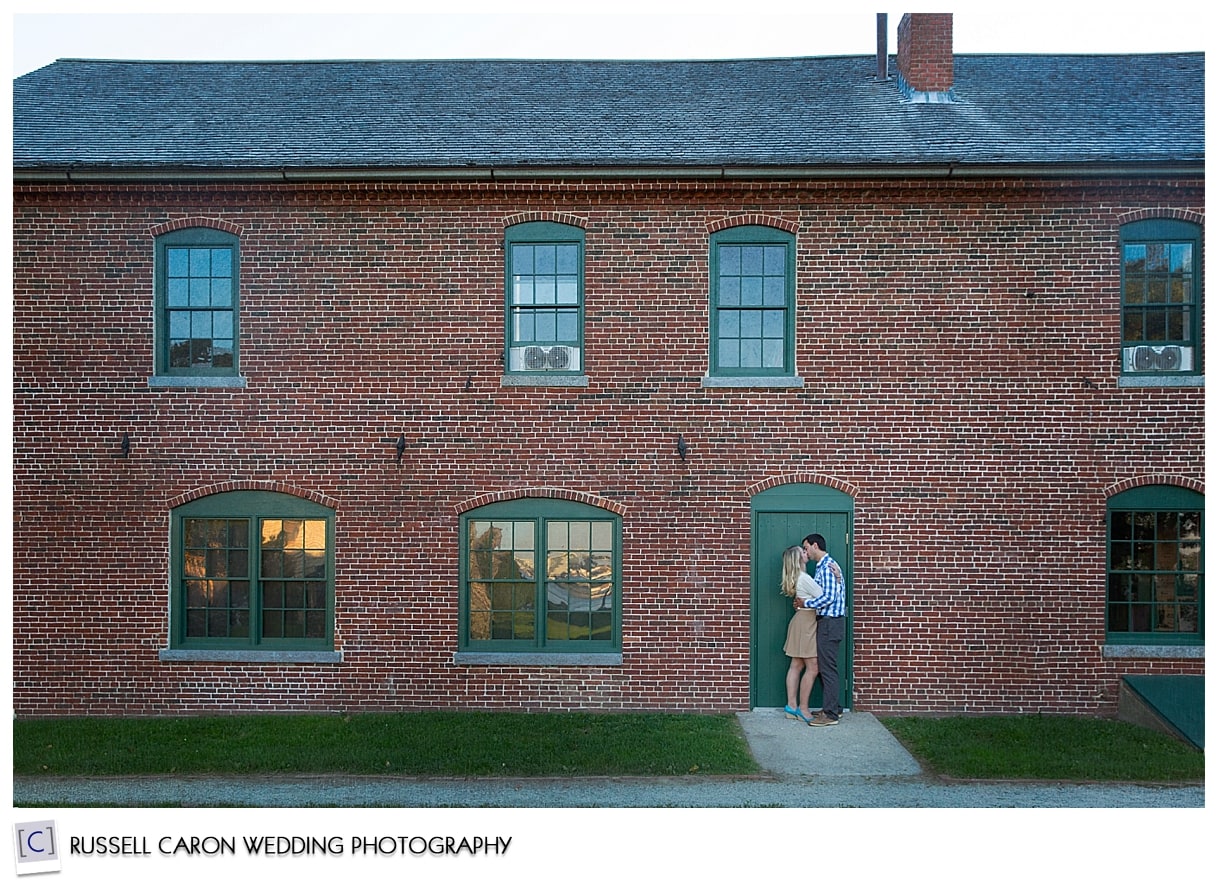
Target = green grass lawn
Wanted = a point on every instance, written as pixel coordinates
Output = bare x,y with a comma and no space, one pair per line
426,743
478,744
1056,748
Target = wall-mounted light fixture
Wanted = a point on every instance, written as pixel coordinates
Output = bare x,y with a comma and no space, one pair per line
400,447
125,446
682,447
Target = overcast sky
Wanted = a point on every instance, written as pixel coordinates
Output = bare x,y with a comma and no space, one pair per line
657,29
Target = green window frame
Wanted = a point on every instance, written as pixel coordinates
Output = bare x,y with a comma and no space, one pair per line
197,283
1156,576
544,298
252,571
1161,298
752,302
525,556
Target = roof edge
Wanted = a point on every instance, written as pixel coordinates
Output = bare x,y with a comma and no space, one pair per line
103,174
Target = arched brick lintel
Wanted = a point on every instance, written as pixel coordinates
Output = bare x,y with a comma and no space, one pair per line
543,493
1194,484
185,223
759,220
851,490
1143,214
253,486
556,217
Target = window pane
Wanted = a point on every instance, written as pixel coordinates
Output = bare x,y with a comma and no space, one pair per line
522,290
729,260
545,290
200,292
200,262
522,327
546,323
775,291
567,259
522,259
568,326
179,325
1156,257
1181,259
1134,326
729,323
221,262
568,289
729,292
1135,290
751,260
775,260
750,291
580,534
221,292
178,292
177,262
1135,258
774,323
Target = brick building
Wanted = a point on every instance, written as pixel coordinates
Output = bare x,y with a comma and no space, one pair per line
330,378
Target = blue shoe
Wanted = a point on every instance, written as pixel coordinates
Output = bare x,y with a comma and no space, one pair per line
793,713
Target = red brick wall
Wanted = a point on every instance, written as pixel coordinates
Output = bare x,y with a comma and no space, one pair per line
924,51
958,342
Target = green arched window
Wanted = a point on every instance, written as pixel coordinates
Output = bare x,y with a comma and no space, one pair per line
1156,577
252,570
1160,299
544,299
540,575
196,303
752,302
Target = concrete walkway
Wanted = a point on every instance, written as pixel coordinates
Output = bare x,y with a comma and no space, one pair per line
854,764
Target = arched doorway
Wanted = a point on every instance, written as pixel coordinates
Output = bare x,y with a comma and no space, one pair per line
781,516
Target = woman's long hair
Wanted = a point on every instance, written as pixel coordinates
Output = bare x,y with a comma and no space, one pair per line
792,566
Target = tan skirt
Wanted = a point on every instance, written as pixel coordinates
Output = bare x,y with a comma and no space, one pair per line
801,635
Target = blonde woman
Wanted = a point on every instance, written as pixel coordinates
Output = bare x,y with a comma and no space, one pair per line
801,634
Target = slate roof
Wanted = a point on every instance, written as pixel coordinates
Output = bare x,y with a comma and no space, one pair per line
826,113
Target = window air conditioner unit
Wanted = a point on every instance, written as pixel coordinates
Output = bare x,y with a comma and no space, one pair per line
544,358
1158,358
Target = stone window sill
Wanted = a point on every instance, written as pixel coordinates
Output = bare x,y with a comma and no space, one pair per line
1141,382
268,657
1128,650
539,659
176,382
752,382
541,380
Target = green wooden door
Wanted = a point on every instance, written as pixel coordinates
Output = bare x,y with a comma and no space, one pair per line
782,517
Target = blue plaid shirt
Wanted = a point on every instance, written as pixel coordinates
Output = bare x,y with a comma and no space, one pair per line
832,600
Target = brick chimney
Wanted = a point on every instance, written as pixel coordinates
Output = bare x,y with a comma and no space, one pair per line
924,52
